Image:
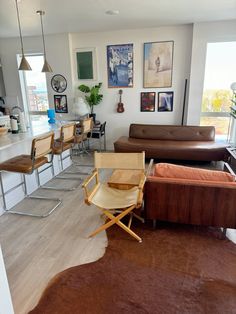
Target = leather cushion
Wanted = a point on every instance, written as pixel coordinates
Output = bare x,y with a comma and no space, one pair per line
172,132
182,150
22,164
58,148
166,170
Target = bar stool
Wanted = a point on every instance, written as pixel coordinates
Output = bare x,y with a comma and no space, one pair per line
25,165
85,128
82,134
61,145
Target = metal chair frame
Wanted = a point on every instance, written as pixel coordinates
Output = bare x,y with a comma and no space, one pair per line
98,133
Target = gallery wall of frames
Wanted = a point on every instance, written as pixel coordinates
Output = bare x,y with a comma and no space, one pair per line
157,71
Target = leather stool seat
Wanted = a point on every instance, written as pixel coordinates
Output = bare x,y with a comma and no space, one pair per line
22,164
59,147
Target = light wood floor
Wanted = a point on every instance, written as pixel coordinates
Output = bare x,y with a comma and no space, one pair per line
35,249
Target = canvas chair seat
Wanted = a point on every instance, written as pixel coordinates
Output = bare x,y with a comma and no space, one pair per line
110,198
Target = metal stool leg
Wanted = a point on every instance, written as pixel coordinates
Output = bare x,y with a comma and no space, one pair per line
61,178
105,142
59,201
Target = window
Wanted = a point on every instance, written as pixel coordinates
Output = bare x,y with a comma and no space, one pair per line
219,74
34,89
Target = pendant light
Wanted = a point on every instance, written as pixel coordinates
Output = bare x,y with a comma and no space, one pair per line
46,66
24,65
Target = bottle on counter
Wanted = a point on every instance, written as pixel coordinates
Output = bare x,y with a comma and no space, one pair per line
22,122
14,125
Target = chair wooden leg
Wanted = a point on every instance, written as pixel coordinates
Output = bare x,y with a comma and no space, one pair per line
105,226
123,226
133,234
116,220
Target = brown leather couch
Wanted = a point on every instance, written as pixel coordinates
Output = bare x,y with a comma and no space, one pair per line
173,142
190,202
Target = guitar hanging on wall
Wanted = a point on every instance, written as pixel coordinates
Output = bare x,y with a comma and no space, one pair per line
120,106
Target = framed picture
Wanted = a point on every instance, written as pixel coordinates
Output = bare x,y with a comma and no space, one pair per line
86,66
120,65
59,83
165,101
60,103
148,102
158,63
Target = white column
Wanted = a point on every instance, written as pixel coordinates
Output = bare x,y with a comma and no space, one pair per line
6,306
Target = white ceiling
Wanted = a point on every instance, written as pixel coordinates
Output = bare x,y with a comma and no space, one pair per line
89,15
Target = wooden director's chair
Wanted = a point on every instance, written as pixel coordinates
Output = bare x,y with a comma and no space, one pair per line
116,203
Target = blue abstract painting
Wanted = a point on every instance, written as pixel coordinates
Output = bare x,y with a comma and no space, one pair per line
120,65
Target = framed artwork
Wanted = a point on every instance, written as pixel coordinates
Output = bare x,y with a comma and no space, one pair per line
59,83
165,101
158,63
120,65
148,101
86,67
60,103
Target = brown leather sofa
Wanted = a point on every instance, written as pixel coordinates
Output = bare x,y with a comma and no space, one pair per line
173,142
190,202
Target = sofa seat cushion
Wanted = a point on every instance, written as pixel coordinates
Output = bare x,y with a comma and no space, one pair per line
165,170
171,149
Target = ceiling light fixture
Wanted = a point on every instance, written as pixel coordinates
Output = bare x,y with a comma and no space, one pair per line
46,66
112,12
24,65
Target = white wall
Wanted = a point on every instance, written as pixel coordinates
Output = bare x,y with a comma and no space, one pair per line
204,33
6,306
58,56
118,123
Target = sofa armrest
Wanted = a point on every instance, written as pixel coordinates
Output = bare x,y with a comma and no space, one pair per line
191,202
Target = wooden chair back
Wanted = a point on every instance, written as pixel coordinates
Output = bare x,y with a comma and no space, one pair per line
119,160
42,145
67,132
86,125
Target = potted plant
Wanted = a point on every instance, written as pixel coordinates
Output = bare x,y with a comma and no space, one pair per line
92,96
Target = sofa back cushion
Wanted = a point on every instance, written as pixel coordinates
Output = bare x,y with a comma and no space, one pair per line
165,170
172,132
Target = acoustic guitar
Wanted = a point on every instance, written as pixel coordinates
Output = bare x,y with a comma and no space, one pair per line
120,106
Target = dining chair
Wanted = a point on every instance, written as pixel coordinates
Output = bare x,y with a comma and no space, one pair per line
99,133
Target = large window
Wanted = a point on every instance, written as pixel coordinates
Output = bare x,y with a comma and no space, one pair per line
34,89
219,74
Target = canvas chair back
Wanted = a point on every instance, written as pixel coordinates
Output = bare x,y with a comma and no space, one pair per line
120,160
41,146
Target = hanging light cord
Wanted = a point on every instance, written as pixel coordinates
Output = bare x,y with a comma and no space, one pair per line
18,18
41,13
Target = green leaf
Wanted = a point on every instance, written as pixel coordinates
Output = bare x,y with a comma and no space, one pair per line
84,88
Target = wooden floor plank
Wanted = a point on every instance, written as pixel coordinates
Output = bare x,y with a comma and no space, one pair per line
35,249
